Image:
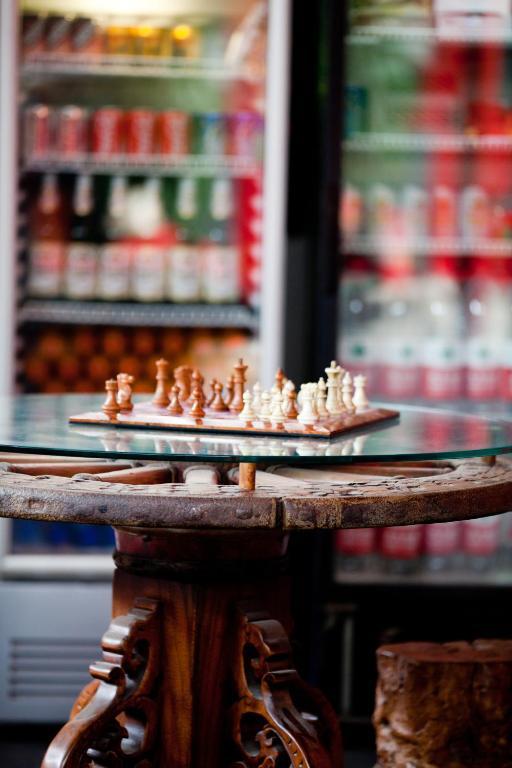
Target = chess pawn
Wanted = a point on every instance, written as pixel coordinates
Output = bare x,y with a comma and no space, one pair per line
359,399
256,397
124,391
321,398
265,410
111,407
175,408
290,406
347,393
277,416
247,414
307,414
197,411
218,403
161,398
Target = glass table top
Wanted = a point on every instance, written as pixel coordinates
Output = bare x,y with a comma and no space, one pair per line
39,424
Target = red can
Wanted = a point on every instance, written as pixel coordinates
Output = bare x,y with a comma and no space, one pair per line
72,132
107,131
37,137
173,133
32,34
140,132
57,37
245,134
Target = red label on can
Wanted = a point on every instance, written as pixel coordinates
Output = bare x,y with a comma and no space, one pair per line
173,133
107,131
481,537
402,542
400,380
37,131
245,131
72,132
359,541
442,538
482,383
443,383
140,132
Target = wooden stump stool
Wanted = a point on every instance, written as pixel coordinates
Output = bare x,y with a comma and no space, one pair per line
445,706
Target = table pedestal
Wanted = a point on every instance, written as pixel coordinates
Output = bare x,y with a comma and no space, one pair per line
197,669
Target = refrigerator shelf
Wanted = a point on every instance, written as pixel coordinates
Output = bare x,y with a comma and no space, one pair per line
418,142
45,65
454,578
57,566
427,246
159,315
153,165
368,35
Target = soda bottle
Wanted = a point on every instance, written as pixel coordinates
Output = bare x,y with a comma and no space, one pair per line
221,252
357,331
355,549
441,545
481,539
184,256
115,255
82,250
149,239
400,548
49,234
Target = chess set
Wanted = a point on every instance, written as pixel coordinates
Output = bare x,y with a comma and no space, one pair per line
327,408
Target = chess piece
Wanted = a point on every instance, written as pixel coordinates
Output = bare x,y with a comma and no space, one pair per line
256,397
347,393
290,401
277,416
265,410
211,396
175,408
237,402
247,414
359,399
230,388
124,391
196,410
161,398
218,404
197,384
110,407
334,403
307,415
279,379
321,397
183,378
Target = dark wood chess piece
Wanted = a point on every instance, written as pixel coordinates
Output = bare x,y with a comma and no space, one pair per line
175,408
161,398
197,410
111,407
237,403
218,403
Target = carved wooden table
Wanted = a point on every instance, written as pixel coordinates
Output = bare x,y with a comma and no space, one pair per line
197,669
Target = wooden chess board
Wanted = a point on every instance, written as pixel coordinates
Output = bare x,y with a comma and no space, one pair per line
146,414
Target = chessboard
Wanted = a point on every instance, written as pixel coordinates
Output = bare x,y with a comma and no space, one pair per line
324,409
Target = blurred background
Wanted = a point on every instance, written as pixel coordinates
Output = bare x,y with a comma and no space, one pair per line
283,181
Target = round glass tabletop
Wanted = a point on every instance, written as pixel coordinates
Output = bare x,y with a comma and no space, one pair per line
39,424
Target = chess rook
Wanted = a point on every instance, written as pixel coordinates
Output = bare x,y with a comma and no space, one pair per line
111,407
360,399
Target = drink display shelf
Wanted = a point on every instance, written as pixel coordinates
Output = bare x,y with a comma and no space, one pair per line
423,142
368,245
45,65
158,315
448,578
368,35
153,165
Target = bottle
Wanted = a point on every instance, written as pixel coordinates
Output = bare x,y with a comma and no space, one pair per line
82,250
355,549
49,234
221,252
441,545
115,253
400,547
184,256
357,311
481,538
150,239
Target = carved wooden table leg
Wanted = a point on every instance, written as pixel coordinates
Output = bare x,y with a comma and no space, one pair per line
197,669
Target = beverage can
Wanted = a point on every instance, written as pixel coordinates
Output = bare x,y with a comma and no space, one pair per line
148,272
114,271
57,34
32,34
210,134
245,135
72,132
107,131
37,131
140,132
86,36
46,269
184,273
81,271
173,133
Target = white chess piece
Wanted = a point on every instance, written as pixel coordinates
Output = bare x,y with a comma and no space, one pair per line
321,397
359,399
247,414
256,397
307,415
334,402
265,411
348,393
277,415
